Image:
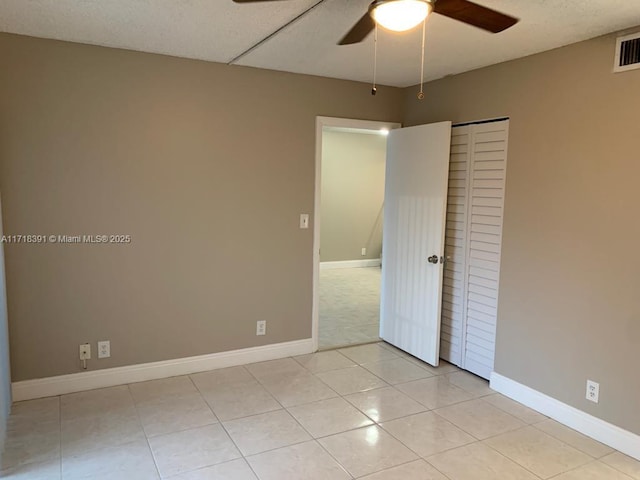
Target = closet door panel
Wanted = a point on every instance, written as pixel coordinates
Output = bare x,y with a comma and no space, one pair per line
488,155
454,293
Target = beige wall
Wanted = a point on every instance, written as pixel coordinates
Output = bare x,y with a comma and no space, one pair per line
569,305
5,376
352,195
206,166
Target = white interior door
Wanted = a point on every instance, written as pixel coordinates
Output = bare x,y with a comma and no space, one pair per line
5,376
413,238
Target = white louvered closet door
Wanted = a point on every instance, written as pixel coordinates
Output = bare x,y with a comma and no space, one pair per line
455,249
473,244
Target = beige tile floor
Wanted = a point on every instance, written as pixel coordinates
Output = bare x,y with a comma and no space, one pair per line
368,412
349,309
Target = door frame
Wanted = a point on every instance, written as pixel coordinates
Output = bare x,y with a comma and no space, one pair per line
321,123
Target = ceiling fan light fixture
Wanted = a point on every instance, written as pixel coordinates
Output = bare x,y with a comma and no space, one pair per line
400,15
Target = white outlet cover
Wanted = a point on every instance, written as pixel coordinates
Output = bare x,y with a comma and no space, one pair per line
104,349
593,391
261,327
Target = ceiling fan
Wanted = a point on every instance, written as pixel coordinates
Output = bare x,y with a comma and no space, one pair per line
403,15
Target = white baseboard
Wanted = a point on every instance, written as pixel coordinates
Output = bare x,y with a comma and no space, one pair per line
77,382
604,432
370,262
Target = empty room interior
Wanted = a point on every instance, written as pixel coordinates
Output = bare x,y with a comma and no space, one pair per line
317,239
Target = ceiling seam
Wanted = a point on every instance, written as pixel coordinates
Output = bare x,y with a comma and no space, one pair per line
273,34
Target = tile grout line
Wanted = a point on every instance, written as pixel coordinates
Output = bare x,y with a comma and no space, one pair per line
512,459
242,455
60,432
225,428
313,439
334,458
412,450
482,398
144,432
616,468
537,427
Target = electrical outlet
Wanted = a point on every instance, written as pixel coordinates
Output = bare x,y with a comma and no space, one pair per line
85,351
104,349
363,252
261,327
304,220
593,391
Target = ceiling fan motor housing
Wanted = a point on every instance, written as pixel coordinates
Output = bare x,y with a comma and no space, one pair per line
400,15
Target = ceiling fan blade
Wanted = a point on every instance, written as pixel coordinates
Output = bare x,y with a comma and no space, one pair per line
360,30
474,14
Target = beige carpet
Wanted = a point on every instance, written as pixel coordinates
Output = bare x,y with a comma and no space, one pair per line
349,306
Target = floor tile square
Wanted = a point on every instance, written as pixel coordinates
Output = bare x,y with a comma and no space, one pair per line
298,389
397,371
383,404
473,384
538,452
26,446
187,450
480,419
443,367
324,361
155,390
328,417
418,470
434,392
234,470
577,440
49,470
367,450
624,464
514,408
351,380
110,429
264,432
132,460
308,461
370,353
175,413
98,402
98,419
593,471
478,462
283,367
40,415
427,433
223,377
240,400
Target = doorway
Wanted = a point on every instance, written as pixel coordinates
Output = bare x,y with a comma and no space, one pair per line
350,164
5,376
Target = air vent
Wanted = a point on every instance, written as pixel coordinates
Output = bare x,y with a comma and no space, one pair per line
627,53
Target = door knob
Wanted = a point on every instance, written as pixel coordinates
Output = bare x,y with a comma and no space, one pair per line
433,259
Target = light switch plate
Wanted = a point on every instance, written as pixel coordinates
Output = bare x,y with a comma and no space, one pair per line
304,220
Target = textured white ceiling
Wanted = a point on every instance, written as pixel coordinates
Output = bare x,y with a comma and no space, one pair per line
219,30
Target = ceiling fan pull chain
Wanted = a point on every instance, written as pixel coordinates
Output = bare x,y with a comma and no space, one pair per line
374,90
424,30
